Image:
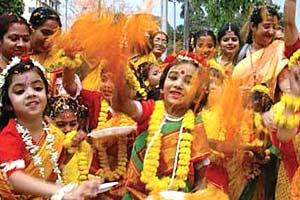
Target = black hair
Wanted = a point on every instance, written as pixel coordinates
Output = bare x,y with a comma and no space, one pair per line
143,72
226,27
167,69
61,103
203,99
40,15
256,17
263,101
6,20
197,35
234,28
20,68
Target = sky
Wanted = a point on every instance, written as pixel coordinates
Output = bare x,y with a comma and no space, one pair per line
281,3
157,10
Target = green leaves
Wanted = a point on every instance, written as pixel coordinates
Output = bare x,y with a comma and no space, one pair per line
214,13
12,6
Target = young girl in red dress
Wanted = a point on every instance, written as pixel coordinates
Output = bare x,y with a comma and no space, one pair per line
30,151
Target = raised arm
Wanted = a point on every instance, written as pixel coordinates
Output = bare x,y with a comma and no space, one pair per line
124,102
291,32
69,81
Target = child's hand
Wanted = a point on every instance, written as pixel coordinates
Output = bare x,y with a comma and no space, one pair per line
88,189
81,135
268,120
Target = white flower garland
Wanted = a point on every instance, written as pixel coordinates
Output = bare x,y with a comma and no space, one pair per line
16,164
33,150
186,58
15,60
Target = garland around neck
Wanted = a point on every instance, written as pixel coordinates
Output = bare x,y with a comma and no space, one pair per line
182,155
34,150
105,169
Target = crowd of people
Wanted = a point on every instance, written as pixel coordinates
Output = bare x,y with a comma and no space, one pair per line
96,113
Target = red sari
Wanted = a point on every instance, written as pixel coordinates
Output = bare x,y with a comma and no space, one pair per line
14,157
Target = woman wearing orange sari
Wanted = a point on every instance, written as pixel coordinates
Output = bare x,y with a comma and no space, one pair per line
288,175
261,62
261,59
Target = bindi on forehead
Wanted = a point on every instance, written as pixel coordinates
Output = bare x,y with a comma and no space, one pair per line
29,77
25,78
67,115
183,70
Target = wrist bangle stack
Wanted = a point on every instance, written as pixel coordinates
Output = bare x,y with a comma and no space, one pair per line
59,195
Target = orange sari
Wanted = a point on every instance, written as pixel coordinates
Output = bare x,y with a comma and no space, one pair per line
263,66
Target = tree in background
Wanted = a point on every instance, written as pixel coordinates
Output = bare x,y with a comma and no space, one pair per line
12,6
212,14
222,11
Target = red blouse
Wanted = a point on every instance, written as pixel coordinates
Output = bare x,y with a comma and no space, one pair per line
290,49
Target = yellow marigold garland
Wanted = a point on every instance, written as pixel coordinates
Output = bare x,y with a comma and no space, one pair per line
103,113
83,166
58,60
295,59
105,170
259,123
82,161
213,64
68,141
260,88
290,101
151,161
287,102
132,80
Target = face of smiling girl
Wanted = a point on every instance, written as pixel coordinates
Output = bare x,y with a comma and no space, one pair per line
27,95
178,85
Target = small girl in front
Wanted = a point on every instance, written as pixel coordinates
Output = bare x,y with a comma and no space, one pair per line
30,148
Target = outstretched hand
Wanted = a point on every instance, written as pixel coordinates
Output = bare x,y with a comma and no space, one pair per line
88,189
81,135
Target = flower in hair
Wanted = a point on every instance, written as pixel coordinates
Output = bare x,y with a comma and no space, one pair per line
15,61
25,58
186,56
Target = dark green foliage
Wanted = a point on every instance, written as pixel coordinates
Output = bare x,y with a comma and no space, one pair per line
12,6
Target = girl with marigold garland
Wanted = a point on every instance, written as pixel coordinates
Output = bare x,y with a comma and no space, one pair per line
69,115
31,149
109,162
171,148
